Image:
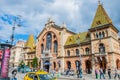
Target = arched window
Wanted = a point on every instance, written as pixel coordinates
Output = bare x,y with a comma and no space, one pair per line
68,53
55,46
42,48
48,41
96,35
77,52
87,50
100,35
103,34
101,48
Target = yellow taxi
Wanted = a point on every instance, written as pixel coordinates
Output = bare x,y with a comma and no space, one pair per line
39,75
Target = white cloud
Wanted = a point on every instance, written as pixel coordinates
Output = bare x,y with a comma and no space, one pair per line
78,14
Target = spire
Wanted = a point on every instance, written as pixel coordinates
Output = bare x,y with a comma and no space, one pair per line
99,2
64,25
30,42
101,17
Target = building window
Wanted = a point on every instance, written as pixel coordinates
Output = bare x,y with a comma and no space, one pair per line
48,41
77,52
103,34
97,35
98,22
42,48
100,35
87,50
68,53
55,46
101,48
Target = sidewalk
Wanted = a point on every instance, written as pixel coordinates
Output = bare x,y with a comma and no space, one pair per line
86,77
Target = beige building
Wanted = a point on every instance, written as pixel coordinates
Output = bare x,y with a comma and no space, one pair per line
61,49
29,51
16,53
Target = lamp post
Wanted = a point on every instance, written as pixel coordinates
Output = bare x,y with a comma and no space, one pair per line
5,47
80,68
15,23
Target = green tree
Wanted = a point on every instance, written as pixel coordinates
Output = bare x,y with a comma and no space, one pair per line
35,62
22,64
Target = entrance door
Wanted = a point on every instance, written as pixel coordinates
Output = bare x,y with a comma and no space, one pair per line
46,66
69,65
102,63
88,66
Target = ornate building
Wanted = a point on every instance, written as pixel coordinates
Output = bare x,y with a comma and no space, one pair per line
16,53
60,49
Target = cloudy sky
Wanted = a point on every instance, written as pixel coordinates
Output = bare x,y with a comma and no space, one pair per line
33,14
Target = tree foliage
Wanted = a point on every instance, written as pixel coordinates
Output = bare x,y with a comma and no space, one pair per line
22,64
35,62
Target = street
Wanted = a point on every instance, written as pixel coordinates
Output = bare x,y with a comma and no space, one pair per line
20,76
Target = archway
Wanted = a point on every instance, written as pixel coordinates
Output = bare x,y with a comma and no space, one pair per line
117,63
102,63
54,65
46,66
88,66
68,65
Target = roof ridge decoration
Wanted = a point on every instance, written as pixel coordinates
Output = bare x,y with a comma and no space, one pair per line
101,17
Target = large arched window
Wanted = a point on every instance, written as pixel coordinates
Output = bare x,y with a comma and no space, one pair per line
87,50
55,46
68,53
77,52
101,48
42,48
48,41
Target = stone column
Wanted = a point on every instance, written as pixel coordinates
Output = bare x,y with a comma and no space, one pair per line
93,65
42,63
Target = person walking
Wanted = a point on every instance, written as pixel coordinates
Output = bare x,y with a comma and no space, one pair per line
96,73
109,73
101,73
14,72
116,73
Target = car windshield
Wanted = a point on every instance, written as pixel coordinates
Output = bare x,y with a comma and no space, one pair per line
45,77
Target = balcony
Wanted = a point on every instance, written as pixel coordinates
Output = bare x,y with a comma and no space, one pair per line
46,54
101,54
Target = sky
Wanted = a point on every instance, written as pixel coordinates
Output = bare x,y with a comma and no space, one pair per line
32,15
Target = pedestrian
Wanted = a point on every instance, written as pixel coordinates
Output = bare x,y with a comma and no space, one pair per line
101,73
96,73
14,73
109,73
80,72
77,73
116,73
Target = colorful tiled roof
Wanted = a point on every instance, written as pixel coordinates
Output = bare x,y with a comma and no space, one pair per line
101,17
31,43
78,38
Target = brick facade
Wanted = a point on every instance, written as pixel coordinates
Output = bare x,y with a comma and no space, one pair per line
91,54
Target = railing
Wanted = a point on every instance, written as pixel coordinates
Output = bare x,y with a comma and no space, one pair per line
46,54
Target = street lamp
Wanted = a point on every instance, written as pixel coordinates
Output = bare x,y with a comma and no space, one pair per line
5,47
80,68
17,21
